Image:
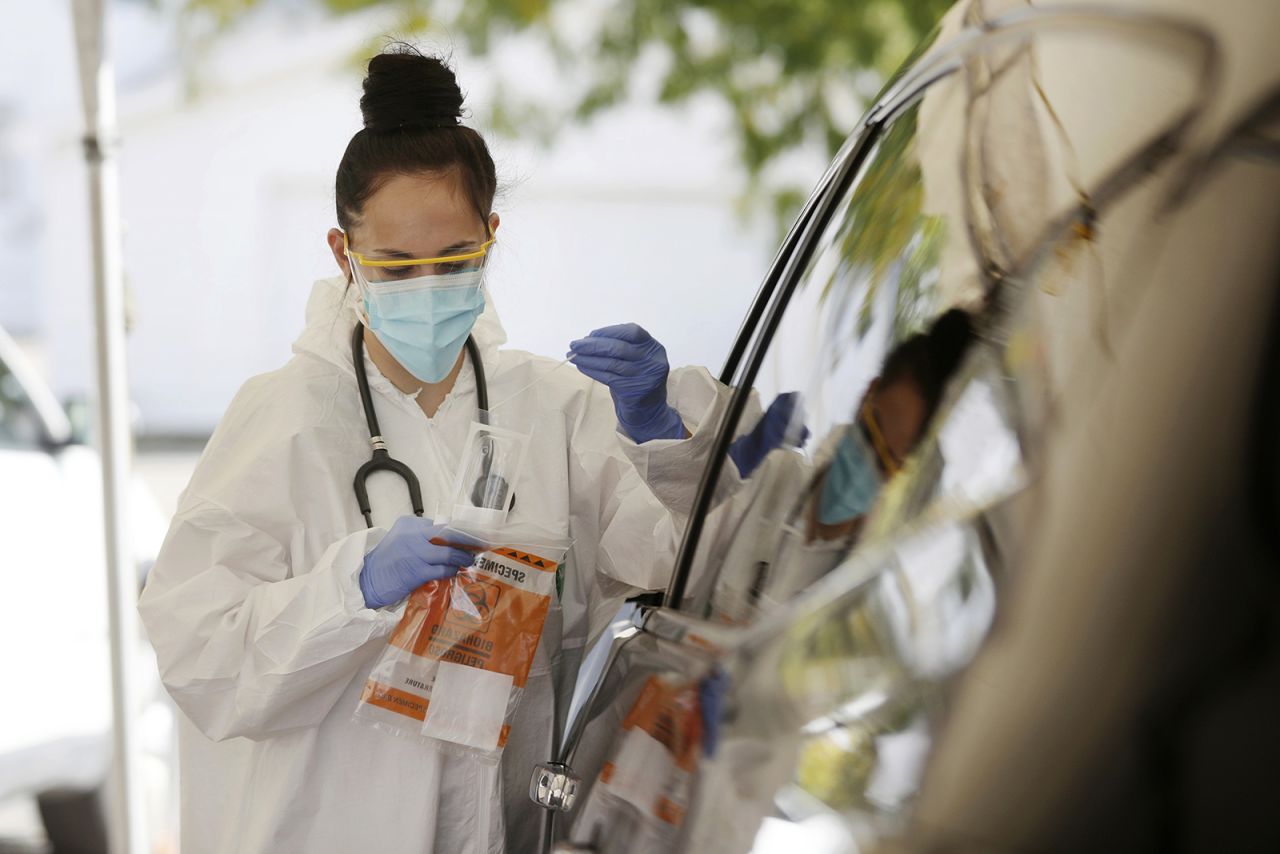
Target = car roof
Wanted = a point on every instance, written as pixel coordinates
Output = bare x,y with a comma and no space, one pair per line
53,418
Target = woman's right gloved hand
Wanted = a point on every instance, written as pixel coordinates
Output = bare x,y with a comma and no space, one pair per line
634,367
406,559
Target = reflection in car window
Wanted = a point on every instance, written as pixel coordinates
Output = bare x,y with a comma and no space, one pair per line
873,281
19,421
869,344
862,606
857,678
905,400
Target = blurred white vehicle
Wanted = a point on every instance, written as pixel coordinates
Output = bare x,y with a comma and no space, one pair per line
54,659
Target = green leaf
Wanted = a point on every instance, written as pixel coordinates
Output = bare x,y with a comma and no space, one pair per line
722,48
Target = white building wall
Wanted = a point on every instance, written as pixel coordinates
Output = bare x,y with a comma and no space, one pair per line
227,199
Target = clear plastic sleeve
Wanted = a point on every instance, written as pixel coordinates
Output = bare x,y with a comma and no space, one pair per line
491,463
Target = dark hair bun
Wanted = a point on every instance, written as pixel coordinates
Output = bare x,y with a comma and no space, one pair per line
405,90
949,337
930,358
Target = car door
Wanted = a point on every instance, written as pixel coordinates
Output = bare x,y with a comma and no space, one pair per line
840,633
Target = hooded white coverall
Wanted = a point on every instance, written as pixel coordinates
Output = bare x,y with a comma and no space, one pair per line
261,631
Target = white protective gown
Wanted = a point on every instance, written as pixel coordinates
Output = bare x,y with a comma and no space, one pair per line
260,628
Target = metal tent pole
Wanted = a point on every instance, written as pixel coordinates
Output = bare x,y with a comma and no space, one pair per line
125,819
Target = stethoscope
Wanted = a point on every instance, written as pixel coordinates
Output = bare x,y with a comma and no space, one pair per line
382,459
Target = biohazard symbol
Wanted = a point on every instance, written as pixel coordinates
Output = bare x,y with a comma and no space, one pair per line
484,599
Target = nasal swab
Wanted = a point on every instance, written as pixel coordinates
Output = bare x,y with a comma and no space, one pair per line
528,386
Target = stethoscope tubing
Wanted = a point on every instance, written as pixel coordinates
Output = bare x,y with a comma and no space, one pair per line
382,459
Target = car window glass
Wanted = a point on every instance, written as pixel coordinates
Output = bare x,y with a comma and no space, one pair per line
20,425
873,288
919,385
846,615
975,199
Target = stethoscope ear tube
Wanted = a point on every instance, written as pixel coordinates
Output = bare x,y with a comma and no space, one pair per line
489,484
482,383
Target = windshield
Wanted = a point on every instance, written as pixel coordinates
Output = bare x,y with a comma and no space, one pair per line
20,423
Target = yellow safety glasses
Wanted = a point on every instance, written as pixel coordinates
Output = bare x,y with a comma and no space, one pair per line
871,426
374,269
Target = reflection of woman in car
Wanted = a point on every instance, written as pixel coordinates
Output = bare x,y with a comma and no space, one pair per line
891,420
792,527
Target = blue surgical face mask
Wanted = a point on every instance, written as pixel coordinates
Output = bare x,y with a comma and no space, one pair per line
852,482
424,322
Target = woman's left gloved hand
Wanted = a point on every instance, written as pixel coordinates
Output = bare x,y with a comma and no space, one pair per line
750,449
406,559
634,366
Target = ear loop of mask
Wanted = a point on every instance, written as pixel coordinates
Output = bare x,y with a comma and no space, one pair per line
362,287
878,442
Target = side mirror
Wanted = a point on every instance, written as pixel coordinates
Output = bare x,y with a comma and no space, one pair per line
80,416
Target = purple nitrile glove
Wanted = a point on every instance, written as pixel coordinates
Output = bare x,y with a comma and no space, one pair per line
634,367
711,695
406,559
750,449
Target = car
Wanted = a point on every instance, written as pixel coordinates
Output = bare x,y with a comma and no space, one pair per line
55,734
1060,177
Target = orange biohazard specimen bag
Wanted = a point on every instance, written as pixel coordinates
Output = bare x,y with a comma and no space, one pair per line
456,665
645,786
